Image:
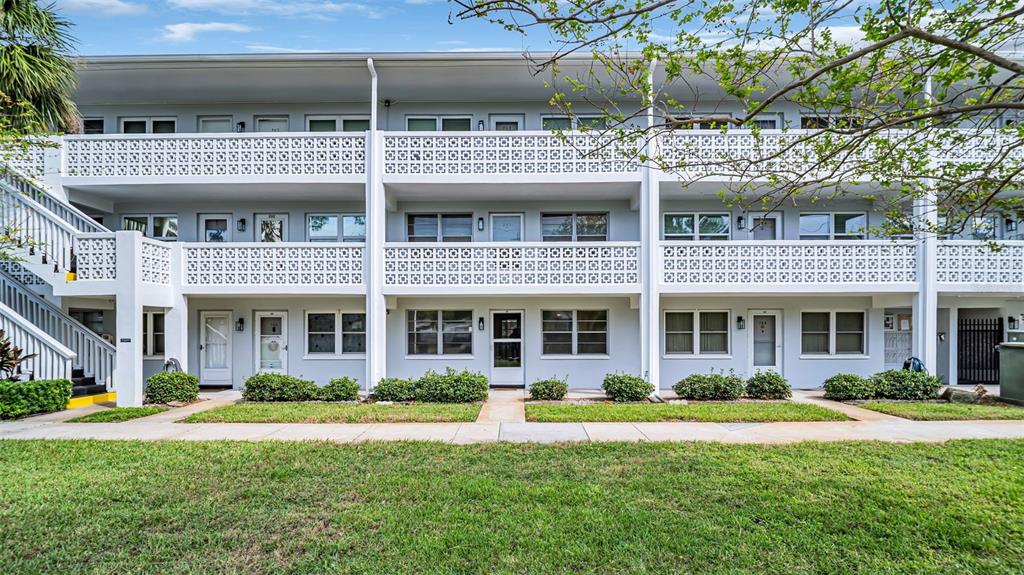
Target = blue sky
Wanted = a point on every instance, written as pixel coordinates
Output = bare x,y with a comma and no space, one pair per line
264,26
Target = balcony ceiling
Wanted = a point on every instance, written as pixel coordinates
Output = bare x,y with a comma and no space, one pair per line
224,192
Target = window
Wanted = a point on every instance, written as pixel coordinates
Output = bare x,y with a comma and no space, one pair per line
148,125
321,124
439,332
152,334
325,328
157,226
556,123
833,226
771,121
710,227
696,333
439,227
574,227
324,227
815,122
92,125
591,122
574,332
215,124
355,124
271,123
332,124
833,333
974,228
447,123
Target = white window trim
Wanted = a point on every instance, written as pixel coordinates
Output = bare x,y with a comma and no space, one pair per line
575,330
271,117
340,238
339,349
439,119
832,224
575,233
832,355
149,225
522,224
696,226
339,119
228,117
440,335
778,117
574,119
439,216
148,120
697,352
147,331
100,118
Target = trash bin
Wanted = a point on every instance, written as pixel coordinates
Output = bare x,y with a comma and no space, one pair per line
1011,372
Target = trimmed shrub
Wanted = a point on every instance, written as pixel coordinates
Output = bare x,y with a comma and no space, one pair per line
846,386
452,387
340,389
551,389
278,387
768,385
21,398
171,386
905,384
395,389
710,386
622,387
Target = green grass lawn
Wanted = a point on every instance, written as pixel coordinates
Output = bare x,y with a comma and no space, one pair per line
312,412
300,507
703,411
934,411
116,414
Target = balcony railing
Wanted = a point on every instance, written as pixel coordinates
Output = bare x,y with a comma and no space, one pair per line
258,266
206,156
788,265
501,153
965,264
96,256
517,267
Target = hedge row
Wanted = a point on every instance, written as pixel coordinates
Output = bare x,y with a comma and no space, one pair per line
22,398
729,386
449,387
280,387
892,384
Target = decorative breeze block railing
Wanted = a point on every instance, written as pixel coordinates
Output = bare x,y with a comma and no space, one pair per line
788,263
156,262
96,256
496,153
980,262
255,264
196,155
31,162
520,264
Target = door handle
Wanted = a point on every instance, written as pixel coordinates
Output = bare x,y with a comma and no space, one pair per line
201,346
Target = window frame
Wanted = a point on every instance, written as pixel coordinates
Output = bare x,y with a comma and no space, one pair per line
439,219
149,336
339,334
697,352
575,353
574,236
256,119
832,235
342,236
833,333
228,117
439,318
100,119
575,123
149,123
696,237
150,227
339,121
438,121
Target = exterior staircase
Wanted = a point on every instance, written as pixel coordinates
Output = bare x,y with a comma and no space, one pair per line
47,228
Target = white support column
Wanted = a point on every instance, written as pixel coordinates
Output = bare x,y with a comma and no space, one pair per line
376,217
176,318
952,336
128,381
926,301
650,298
53,167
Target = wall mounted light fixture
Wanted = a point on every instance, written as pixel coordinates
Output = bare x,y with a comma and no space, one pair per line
240,127
741,323
741,222
480,323
480,224
481,126
240,324
240,226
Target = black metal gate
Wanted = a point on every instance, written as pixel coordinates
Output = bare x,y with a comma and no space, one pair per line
977,358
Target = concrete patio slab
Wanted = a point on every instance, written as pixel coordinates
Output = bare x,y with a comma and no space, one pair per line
504,406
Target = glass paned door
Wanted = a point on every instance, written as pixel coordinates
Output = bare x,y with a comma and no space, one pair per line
766,341
215,348
271,227
765,227
507,348
506,227
272,342
215,227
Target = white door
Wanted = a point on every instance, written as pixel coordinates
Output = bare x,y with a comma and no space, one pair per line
507,348
215,348
766,341
765,227
506,122
271,227
271,341
215,227
506,227
271,123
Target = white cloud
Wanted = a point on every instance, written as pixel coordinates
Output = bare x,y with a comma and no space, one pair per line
107,7
310,9
187,31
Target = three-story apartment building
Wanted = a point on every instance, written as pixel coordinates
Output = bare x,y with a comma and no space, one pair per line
381,215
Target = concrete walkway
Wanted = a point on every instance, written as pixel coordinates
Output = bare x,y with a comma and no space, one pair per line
504,406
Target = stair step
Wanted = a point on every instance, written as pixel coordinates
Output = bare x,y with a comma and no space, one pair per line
91,389
77,373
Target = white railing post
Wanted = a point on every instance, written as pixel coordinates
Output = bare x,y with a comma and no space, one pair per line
128,375
376,305
53,168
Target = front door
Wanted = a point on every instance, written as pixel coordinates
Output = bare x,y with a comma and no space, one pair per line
765,227
506,122
507,348
215,227
766,341
506,227
271,227
215,348
271,342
